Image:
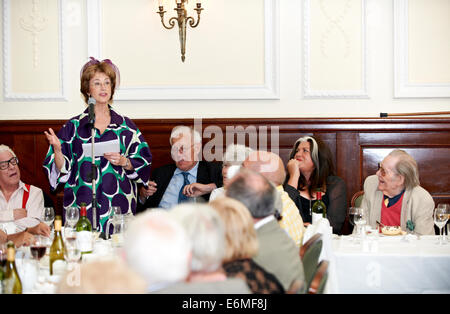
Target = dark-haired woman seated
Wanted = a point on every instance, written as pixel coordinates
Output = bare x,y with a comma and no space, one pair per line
310,169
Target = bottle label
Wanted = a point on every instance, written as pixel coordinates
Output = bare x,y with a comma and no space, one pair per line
316,217
84,241
58,224
10,254
59,267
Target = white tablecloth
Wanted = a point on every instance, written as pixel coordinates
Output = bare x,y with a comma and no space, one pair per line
390,265
36,278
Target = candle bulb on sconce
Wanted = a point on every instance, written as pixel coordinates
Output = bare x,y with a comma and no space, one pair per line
182,20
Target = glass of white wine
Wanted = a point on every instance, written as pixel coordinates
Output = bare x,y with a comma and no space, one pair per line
440,219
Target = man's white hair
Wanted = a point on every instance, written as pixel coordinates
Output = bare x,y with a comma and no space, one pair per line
236,154
158,249
206,231
185,130
5,148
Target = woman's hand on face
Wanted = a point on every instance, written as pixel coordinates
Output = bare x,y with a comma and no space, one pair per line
294,172
293,167
53,140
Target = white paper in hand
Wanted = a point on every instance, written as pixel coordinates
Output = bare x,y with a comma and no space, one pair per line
101,148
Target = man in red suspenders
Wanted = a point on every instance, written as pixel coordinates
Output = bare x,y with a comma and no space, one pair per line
21,205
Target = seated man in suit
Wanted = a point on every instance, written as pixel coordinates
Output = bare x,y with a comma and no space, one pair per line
186,179
21,205
278,253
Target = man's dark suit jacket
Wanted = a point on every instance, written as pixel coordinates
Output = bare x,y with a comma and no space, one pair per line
208,172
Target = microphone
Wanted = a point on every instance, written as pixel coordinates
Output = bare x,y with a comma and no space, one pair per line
91,104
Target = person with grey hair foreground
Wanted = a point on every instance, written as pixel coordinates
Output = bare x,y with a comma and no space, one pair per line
278,253
206,232
158,249
187,178
393,195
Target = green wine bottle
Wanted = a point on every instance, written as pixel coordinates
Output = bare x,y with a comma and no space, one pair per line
319,209
84,232
57,261
11,280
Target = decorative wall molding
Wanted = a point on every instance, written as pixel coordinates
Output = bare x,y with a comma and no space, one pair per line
402,87
268,90
308,92
8,94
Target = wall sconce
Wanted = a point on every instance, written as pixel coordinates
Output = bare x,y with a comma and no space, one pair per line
182,20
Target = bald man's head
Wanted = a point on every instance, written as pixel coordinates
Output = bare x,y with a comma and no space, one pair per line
268,164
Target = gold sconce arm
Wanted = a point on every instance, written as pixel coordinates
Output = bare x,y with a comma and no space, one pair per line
191,19
161,13
182,20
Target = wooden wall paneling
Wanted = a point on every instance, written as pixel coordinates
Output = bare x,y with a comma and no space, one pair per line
358,143
348,166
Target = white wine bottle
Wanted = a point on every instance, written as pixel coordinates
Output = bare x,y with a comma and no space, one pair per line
84,232
319,209
11,280
57,261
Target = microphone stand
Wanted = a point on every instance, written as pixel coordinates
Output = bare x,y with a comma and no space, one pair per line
93,167
94,174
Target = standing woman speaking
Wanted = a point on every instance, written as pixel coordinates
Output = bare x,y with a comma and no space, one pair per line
122,156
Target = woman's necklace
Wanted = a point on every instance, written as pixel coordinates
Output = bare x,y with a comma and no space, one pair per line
310,208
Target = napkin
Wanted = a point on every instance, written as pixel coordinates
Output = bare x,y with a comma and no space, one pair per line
321,226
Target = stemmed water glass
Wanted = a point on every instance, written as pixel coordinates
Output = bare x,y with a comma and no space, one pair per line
72,251
360,219
48,216
72,216
440,216
351,216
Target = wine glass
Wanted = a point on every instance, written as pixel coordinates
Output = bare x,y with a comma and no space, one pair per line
351,217
440,219
48,216
39,247
72,252
72,216
360,219
446,208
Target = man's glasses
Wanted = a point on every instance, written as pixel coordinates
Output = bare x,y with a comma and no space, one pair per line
5,164
384,172
381,169
181,149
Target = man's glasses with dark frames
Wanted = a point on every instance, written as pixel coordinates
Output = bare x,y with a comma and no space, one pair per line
5,164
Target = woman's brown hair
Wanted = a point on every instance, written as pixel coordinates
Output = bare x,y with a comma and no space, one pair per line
88,71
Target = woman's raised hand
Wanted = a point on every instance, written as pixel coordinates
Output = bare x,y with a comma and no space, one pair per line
53,140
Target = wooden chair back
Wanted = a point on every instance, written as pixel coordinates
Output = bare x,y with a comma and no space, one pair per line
309,254
320,278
